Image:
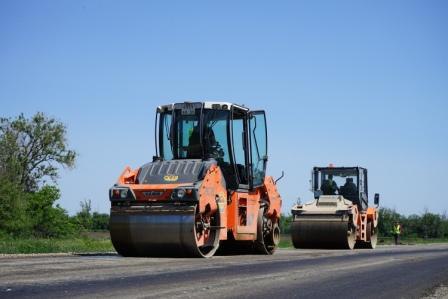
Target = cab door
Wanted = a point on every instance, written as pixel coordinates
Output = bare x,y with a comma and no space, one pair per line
258,148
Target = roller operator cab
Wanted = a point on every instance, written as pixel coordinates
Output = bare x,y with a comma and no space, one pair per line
339,216
206,188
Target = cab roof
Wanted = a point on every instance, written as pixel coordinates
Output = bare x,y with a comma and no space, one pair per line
220,105
342,168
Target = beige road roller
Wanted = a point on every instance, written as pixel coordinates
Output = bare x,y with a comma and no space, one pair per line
339,217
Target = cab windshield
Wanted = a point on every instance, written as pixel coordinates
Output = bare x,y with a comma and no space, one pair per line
337,181
195,134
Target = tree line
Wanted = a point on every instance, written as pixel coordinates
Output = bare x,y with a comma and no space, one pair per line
32,150
425,225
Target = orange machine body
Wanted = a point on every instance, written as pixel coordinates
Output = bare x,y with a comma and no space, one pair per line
238,210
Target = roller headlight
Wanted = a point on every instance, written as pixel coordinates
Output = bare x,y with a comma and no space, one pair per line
123,193
184,194
118,193
180,193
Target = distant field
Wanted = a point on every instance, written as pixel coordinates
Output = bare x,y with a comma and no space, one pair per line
100,242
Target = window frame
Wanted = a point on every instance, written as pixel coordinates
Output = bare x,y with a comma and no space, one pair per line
160,134
252,185
246,148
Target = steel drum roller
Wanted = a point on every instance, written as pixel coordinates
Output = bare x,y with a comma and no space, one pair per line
158,231
331,232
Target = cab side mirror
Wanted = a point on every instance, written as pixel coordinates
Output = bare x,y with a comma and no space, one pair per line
376,199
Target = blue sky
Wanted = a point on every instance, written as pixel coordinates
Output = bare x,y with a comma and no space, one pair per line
343,82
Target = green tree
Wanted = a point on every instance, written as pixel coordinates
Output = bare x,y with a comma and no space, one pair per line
13,210
100,221
32,149
387,217
48,221
87,220
412,226
285,224
431,225
84,217
444,225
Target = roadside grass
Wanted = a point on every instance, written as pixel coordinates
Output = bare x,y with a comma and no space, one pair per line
90,242
83,244
285,241
410,240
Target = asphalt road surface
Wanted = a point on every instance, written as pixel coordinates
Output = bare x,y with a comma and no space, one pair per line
386,272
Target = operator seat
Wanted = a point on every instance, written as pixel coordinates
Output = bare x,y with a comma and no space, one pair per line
349,190
194,150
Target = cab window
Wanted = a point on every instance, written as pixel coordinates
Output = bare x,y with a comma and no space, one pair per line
258,145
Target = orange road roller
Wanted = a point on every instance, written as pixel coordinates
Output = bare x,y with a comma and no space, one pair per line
204,191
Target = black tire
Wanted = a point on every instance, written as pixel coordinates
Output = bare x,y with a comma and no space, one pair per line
372,232
266,242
